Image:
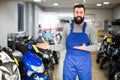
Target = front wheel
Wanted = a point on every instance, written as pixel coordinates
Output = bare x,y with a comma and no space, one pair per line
56,57
116,75
103,61
99,56
50,73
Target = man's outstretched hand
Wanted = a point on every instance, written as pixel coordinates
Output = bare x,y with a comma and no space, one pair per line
44,45
83,47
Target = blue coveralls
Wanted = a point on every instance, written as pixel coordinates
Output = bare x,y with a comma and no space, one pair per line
77,62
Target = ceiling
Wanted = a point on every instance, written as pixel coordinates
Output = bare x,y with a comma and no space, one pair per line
71,3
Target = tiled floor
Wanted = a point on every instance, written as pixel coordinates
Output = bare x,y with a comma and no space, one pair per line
97,74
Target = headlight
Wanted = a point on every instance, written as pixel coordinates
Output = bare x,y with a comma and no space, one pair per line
39,69
29,73
45,56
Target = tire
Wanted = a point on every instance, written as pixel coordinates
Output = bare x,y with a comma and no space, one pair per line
22,70
109,72
99,56
100,53
52,65
98,60
50,73
116,75
58,54
55,56
102,63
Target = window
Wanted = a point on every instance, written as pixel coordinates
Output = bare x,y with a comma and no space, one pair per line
20,17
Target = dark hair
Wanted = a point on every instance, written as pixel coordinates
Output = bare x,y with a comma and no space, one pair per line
79,6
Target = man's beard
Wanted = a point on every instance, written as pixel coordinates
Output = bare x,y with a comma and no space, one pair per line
78,21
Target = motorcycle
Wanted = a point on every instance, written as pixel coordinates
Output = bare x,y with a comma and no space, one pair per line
114,68
55,54
103,54
16,44
101,49
8,68
34,67
46,56
114,62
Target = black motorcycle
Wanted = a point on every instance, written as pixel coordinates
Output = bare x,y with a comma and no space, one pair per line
114,50
114,68
101,49
103,56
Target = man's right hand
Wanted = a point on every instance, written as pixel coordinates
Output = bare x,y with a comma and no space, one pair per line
43,45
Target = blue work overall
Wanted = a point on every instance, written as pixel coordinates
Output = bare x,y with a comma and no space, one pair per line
77,62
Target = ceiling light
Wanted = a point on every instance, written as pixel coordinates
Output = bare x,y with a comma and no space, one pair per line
55,4
98,4
37,0
77,3
61,14
106,2
84,1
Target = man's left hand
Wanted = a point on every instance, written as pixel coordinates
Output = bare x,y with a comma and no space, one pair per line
83,47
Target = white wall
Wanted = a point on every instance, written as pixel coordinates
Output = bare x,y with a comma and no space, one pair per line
32,19
29,18
38,20
8,19
116,12
100,15
49,20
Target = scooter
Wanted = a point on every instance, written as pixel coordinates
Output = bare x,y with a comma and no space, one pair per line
34,67
8,68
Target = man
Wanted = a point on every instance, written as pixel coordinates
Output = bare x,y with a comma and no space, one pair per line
78,39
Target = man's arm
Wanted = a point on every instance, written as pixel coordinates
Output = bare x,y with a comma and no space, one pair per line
62,45
93,40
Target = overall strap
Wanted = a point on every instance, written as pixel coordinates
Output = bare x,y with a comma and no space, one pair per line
83,28
71,26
